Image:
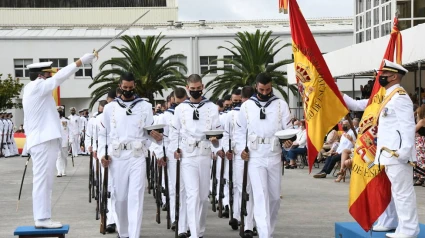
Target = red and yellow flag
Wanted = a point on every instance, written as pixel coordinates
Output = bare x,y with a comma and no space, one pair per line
323,103
370,189
57,92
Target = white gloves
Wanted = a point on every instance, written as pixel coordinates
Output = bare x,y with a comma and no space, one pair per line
87,58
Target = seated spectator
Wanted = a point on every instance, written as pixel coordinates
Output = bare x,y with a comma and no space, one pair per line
346,142
298,147
420,143
346,162
331,138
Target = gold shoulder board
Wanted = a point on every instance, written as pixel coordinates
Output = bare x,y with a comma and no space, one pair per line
402,92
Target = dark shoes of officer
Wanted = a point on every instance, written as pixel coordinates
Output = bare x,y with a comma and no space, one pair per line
164,207
111,228
234,224
183,235
173,226
226,212
248,234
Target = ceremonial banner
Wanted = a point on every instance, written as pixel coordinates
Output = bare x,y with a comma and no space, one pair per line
56,93
370,189
20,139
323,104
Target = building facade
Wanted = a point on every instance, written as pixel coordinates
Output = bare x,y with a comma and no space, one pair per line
373,18
197,41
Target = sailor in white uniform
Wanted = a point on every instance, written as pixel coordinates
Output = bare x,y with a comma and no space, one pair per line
13,146
74,131
124,120
396,124
61,162
230,130
261,117
42,129
191,119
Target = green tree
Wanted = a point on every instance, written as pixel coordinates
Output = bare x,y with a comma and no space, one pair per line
145,60
251,54
10,89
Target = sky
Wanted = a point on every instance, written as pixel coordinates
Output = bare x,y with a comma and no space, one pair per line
194,10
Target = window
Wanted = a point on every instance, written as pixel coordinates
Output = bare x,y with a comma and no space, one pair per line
226,64
368,34
360,37
359,7
376,3
368,19
385,29
208,64
368,4
57,63
271,61
404,24
375,16
417,22
84,70
376,32
21,70
404,9
419,8
182,60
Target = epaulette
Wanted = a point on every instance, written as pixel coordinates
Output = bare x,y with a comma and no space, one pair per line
402,92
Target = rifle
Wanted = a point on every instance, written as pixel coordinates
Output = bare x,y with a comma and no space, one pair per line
177,202
158,192
148,169
2,142
97,183
245,195
221,189
214,184
166,191
230,178
153,175
105,193
91,170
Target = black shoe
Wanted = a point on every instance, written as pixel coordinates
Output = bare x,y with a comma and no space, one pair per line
234,224
183,235
164,207
188,233
255,231
173,226
248,234
226,212
111,228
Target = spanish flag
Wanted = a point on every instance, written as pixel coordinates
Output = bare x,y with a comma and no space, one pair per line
370,189
323,103
57,92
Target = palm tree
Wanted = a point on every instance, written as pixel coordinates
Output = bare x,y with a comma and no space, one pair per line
251,55
144,59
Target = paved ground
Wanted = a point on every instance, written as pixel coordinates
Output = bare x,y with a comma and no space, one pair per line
309,207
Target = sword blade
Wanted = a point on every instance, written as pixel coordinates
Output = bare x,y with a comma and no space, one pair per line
119,34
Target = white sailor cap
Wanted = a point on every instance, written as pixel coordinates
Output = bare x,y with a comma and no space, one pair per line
72,108
41,67
60,108
393,67
289,134
158,127
214,133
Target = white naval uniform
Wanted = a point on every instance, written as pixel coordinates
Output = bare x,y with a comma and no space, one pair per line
127,146
62,162
195,162
13,147
238,165
397,125
265,165
225,201
97,130
166,119
4,130
74,133
83,126
43,133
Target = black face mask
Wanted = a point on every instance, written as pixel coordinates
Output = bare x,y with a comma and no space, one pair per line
383,80
195,94
264,97
174,105
345,128
159,111
235,104
128,93
227,108
73,113
99,112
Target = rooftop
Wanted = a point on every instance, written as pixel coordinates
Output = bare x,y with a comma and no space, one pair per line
175,28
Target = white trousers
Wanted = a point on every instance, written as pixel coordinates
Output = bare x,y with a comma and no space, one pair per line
265,174
402,211
15,147
43,158
110,216
75,144
172,169
62,162
226,177
128,176
238,166
196,177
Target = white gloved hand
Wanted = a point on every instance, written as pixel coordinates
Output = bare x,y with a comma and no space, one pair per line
87,58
